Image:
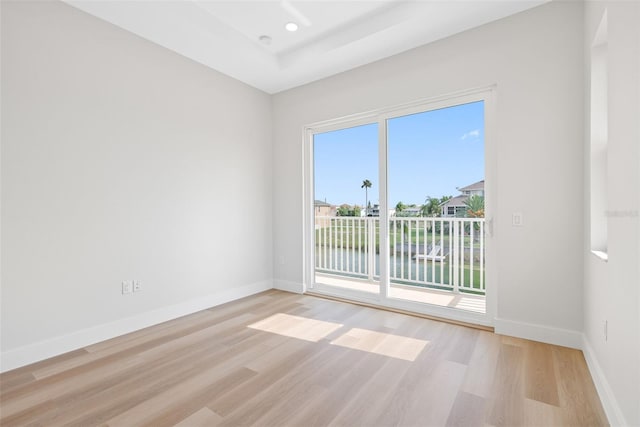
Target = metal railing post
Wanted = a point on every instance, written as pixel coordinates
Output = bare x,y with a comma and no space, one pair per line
455,258
371,245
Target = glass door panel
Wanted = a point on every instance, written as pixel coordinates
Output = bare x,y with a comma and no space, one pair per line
435,162
346,209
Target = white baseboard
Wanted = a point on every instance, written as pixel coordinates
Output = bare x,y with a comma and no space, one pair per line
285,285
541,333
35,352
609,402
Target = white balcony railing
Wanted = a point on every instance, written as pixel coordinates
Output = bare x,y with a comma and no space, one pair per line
443,253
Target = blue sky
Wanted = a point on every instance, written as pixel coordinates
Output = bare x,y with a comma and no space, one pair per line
429,154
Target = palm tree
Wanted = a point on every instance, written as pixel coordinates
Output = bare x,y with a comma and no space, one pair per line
431,207
366,184
400,207
475,206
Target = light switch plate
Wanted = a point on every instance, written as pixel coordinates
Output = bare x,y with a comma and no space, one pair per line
516,219
127,287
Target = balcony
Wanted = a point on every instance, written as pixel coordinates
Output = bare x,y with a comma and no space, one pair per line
437,261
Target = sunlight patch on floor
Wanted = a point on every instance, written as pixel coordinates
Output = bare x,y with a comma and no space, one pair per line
382,343
296,327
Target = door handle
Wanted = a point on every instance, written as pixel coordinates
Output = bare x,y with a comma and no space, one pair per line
489,227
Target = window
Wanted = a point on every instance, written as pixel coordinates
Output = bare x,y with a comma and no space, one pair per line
599,137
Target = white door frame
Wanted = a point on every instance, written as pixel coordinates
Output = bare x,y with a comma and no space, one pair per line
486,94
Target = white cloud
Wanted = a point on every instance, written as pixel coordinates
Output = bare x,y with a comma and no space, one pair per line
472,134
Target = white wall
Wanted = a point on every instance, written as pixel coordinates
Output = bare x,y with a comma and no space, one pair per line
121,160
536,60
612,289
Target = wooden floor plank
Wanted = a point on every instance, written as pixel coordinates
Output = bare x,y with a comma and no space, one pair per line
507,396
338,389
314,362
538,413
464,342
577,393
437,395
540,377
289,393
176,403
205,417
11,379
467,410
482,365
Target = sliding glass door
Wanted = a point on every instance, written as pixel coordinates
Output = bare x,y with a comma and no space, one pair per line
396,207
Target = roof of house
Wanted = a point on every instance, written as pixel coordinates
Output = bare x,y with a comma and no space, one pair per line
475,186
321,203
455,201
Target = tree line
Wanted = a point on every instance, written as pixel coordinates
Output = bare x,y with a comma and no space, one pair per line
432,207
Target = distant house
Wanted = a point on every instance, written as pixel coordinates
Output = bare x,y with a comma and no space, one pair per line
411,211
475,189
456,207
323,208
375,211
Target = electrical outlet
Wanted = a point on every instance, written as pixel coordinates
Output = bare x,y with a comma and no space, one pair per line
137,286
127,287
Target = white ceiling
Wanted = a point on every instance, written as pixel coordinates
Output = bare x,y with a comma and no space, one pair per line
333,36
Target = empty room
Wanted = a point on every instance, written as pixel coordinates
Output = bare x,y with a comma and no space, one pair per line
320,213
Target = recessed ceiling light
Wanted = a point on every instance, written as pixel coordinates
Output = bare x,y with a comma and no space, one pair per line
291,26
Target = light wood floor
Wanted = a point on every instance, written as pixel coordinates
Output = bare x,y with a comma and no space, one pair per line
280,359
